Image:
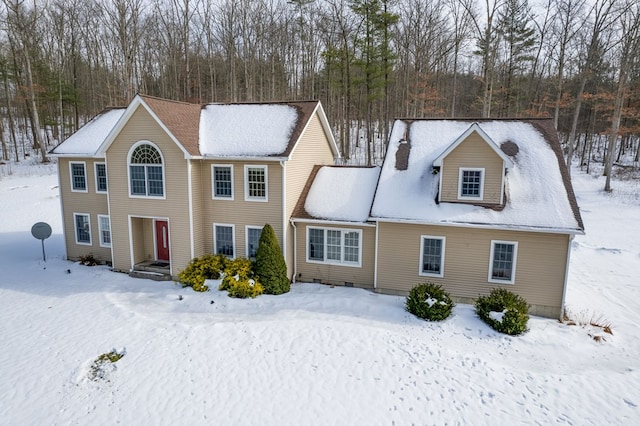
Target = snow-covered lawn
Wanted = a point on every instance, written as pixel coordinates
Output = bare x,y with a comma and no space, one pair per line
318,355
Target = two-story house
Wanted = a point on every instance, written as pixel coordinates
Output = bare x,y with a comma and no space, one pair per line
469,204
154,185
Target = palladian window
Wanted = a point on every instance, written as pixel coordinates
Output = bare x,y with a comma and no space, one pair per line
146,172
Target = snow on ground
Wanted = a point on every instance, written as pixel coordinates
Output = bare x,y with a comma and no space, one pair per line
318,355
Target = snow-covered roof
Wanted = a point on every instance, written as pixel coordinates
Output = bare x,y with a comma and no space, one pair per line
342,193
246,129
538,194
87,140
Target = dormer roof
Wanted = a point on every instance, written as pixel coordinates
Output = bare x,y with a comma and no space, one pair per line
473,128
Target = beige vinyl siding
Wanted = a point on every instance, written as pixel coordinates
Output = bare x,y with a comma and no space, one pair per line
199,224
238,211
336,274
141,126
89,202
472,153
539,275
313,148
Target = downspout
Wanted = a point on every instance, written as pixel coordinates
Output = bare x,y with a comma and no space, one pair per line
375,262
64,227
295,252
566,277
190,195
284,210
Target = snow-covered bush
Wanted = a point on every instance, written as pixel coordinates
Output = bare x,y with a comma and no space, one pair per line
430,302
207,267
239,280
504,311
88,260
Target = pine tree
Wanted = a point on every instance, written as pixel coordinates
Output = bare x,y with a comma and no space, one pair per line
271,268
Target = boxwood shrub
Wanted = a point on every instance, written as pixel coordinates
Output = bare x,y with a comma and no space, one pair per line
430,302
504,311
207,267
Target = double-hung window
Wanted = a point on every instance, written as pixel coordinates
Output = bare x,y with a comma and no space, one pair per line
101,177
224,239
104,227
222,181
78,176
146,172
471,184
502,265
253,240
332,245
82,225
432,256
255,183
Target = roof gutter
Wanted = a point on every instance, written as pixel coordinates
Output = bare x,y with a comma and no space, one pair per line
503,227
333,222
243,158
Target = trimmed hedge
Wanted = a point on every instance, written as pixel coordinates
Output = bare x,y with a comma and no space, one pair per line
504,311
207,267
429,301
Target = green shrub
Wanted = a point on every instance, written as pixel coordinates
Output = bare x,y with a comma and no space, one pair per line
207,267
430,302
99,369
239,280
504,311
270,266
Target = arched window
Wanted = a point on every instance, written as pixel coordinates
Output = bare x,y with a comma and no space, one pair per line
146,174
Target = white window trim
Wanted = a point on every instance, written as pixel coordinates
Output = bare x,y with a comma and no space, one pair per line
246,183
164,179
233,238
246,237
515,261
471,169
335,262
95,173
100,217
75,228
213,183
86,182
444,243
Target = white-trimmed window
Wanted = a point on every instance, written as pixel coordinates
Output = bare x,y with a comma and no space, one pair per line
333,245
104,228
101,177
253,240
502,265
222,181
471,184
82,226
78,171
224,239
146,171
255,183
432,256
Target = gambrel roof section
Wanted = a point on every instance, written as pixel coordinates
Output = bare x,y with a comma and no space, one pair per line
539,192
473,128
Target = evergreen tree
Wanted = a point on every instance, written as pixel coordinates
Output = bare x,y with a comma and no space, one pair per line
271,268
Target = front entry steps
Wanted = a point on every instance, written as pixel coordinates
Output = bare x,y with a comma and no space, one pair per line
156,270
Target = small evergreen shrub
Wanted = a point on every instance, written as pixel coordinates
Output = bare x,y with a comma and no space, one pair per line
270,266
504,311
99,369
88,260
430,302
207,267
239,280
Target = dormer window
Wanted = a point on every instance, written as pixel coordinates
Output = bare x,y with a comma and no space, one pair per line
471,184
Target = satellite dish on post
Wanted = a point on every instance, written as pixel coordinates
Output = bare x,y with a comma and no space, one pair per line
41,231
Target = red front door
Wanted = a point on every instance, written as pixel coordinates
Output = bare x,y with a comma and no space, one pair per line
162,240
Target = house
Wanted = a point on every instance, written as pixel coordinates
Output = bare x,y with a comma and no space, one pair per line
151,186
469,204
